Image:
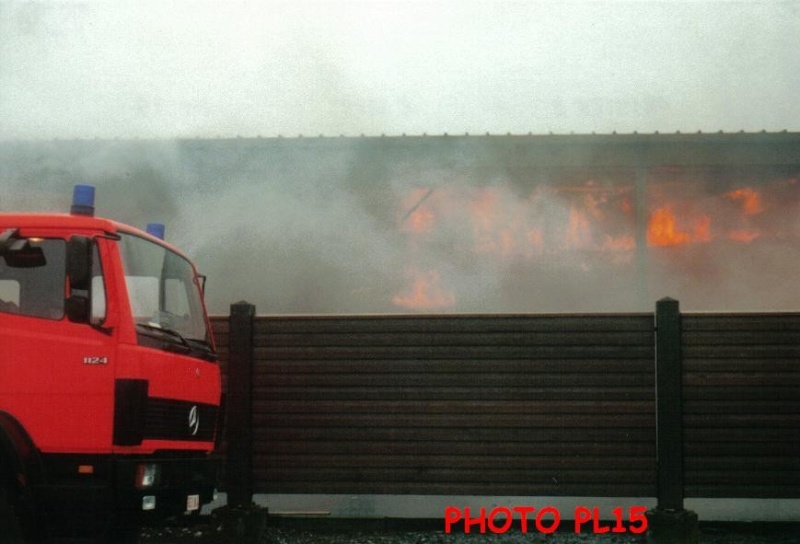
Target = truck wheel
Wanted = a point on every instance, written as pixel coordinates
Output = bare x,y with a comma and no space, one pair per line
10,528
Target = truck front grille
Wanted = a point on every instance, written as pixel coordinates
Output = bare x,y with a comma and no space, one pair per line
138,416
168,419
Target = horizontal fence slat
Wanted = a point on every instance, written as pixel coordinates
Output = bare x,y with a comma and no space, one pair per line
434,380
748,421
454,393
734,463
636,488
737,407
453,352
487,476
530,436
740,392
740,365
789,337
461,366
431,407
789,322
507,449
743,477
718,490
453,324
477,339
448,461
697,449
573,421
745,351
734,434
752,379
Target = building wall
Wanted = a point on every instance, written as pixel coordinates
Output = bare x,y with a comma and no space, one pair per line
449,224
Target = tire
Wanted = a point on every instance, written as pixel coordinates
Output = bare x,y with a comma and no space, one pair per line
10,527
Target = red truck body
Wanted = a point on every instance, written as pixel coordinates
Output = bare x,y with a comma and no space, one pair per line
109,386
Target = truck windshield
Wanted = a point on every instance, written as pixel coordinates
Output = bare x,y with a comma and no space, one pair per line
163,290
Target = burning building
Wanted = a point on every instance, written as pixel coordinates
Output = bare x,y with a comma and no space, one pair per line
612,222
515,223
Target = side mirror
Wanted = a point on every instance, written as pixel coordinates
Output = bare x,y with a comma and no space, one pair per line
79,263
79,272
77,308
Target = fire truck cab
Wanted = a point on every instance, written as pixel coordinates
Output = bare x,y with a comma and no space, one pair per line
109,386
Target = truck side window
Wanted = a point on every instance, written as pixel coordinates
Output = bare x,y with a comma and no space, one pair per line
36,291
9,296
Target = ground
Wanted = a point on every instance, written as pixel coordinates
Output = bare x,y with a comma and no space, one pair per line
316,531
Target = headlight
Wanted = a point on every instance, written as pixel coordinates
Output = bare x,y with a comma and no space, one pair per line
147,475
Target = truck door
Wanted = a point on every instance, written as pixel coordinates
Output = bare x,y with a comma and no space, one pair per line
56,376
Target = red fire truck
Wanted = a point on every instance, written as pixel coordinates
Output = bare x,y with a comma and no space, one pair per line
109,387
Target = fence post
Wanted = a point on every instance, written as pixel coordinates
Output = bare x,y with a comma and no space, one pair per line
239,459
669,522
669,405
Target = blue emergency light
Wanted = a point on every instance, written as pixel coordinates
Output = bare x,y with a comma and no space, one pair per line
82,200
156,229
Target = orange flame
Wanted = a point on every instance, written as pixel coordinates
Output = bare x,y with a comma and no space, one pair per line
579,234
626,206
663,231
515,229
420,219
749,198
702,229
426,293
484,212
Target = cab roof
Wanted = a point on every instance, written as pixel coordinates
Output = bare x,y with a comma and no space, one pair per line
74,222
59,221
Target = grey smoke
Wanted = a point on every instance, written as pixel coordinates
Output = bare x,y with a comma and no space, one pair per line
444,224
299,228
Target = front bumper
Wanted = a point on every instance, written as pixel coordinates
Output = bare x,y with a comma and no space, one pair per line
182,484
80,495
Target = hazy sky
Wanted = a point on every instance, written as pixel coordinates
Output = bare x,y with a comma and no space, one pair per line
202,69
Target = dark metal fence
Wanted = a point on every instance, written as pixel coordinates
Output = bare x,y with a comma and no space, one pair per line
640,405
741,382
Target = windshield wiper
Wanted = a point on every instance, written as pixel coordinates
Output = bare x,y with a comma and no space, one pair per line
187,345
167,332
205,348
